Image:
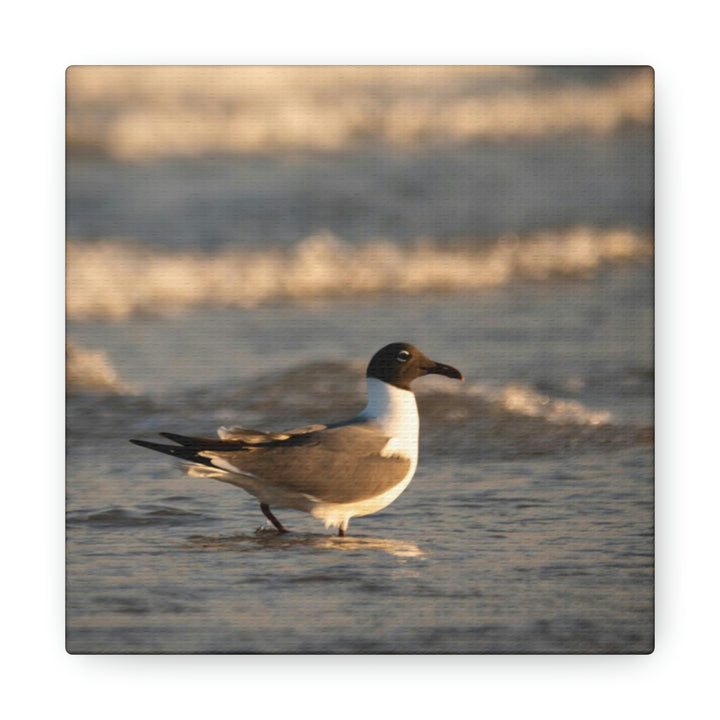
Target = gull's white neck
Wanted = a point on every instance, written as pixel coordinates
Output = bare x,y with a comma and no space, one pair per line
394,410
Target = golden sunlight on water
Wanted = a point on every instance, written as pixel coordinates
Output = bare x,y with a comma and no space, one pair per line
269,538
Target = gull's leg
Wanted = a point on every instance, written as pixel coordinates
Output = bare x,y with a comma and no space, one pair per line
266,512
342,528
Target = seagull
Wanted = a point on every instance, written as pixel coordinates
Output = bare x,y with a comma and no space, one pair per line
336,471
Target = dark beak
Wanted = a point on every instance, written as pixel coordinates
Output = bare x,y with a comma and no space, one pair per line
437,368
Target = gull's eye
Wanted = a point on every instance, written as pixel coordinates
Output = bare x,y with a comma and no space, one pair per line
403,356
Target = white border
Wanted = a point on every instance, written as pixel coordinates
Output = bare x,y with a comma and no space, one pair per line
679,42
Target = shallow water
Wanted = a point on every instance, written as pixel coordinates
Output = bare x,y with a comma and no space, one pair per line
541,556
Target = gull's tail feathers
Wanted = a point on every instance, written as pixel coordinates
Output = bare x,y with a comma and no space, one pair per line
234,439
204,456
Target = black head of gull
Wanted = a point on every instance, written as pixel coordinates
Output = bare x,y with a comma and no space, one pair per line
400,363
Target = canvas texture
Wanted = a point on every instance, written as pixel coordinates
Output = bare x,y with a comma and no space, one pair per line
242,240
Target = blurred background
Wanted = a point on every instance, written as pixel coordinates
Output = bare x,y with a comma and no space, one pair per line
438,177
152,112
240,241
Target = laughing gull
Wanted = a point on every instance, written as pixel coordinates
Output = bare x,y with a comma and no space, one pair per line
335,471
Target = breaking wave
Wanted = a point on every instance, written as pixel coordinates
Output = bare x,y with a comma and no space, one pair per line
116,279
516,420
472,421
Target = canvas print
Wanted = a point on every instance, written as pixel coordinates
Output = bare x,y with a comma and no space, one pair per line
360,359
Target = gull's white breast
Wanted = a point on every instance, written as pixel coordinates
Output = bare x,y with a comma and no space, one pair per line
394,411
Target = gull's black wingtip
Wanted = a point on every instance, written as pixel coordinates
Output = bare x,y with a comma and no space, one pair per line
150,445
169,449
184,453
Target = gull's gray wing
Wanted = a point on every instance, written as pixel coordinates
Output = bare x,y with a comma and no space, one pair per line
337,464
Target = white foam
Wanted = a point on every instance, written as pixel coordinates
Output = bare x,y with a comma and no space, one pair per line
116,279
522,399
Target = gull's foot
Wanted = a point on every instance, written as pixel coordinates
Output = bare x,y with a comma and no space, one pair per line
268,514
